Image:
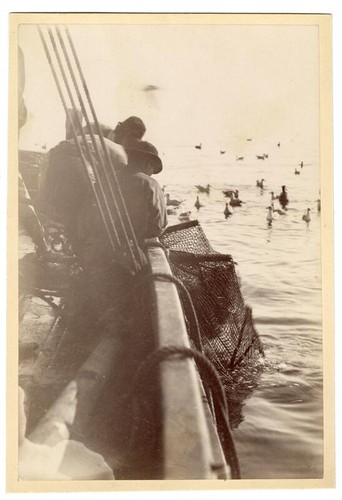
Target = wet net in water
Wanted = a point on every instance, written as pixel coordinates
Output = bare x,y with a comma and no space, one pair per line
229,338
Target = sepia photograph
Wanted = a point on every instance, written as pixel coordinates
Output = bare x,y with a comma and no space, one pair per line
171,226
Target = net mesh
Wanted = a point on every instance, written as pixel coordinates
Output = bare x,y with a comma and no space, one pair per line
228,335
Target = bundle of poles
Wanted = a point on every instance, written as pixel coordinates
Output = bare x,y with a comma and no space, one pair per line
100,172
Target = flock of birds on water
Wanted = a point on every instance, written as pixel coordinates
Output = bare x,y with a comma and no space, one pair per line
273,213
264,156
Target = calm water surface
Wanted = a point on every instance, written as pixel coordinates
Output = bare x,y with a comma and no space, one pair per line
281,433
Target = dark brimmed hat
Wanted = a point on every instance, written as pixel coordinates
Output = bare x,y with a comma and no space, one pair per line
132,126
144,148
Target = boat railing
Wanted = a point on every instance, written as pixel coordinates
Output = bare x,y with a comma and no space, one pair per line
191,448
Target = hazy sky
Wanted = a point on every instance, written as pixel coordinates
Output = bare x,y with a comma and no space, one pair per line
217,84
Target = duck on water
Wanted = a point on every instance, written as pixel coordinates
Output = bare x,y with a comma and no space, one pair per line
283,199
203,189
184,216
270,217
235,202
198,204
306,217
260,184
231,192
228,211
171,202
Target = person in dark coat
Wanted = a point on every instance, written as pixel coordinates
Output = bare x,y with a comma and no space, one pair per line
143,195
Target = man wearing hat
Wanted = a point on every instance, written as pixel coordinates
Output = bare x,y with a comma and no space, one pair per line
144,201
142,193
108,282
103,297
65,195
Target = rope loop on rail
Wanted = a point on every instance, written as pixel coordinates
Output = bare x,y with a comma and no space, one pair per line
212,378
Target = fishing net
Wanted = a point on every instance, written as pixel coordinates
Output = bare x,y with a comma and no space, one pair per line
229,338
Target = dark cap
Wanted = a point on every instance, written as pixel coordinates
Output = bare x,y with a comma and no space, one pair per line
143,148
133,127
